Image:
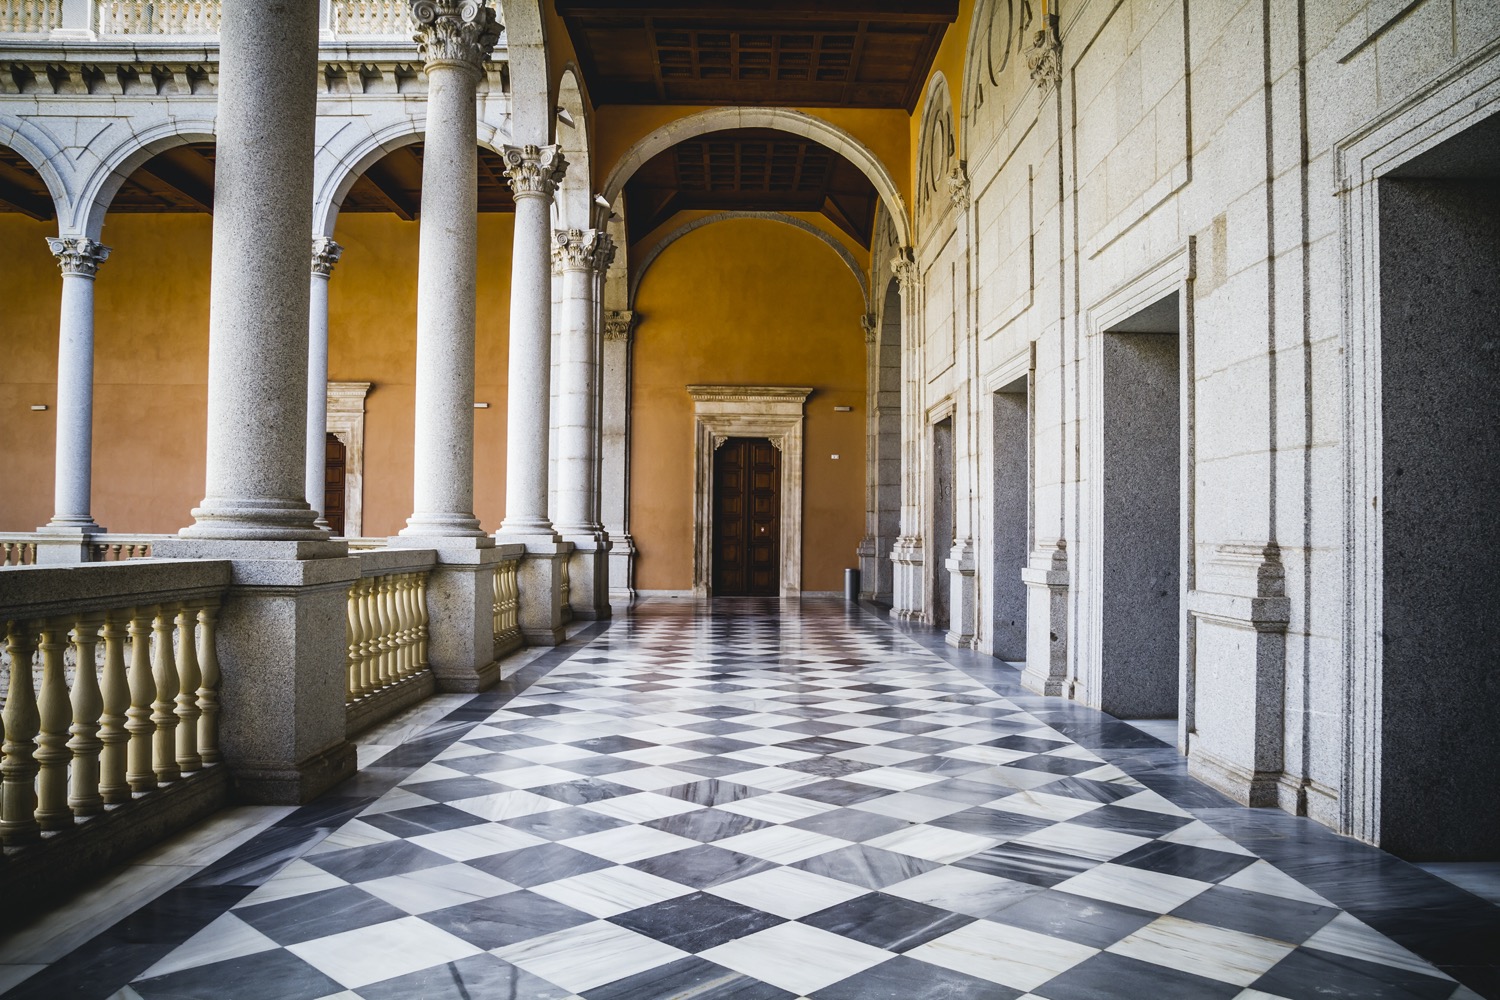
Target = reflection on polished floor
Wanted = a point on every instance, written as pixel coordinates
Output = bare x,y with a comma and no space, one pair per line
756,800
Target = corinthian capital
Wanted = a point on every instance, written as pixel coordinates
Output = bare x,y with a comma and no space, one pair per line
455,32
534,171
325,254
78,254
904,267
604,252
618,323
575,249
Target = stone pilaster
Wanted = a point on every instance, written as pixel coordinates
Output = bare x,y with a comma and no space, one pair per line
79,258
1046,580
325,256
614,491
908,590
534,173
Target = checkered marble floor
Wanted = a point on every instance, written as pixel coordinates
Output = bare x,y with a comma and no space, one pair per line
761,803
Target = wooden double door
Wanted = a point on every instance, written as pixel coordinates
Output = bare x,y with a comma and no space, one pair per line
747,519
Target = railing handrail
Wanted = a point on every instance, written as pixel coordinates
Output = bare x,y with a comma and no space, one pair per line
30,593
196,18
384,562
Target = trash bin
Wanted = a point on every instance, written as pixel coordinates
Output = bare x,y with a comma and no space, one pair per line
851,585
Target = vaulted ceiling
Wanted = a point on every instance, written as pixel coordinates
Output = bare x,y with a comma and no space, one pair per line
22,188
831,53
750,170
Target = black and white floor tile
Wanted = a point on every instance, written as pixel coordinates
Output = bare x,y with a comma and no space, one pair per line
752,802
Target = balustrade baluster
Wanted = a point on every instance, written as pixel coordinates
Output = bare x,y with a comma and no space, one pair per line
208,684
84,797
422,621
387,616
139,773
18,767
189,680
367,634
52,753
115,688
163,708
351,642
409,624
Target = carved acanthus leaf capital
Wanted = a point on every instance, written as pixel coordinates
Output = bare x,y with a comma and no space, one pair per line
78,254
575,249
904,267
1044,55
958,187
534,171
618,324
604,252
325,254
455,32
871,324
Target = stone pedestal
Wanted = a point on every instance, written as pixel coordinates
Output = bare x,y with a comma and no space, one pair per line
907,590
544,613
588,576
460,611
1046,580
963,611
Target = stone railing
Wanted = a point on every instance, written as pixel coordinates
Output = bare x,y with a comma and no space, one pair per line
111,714
158,17
372,17
30,16
17,550
507,589
386,632
118,548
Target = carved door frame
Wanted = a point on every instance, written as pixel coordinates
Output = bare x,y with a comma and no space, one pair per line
721,412
346,421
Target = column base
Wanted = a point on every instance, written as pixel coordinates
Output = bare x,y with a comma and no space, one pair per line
622,571
543,613
297,783
907,591
963,611
65,544
588,575
1046,580
434,528
255,520
183,547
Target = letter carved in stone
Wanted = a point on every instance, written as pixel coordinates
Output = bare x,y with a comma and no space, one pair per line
534,171
325,254
458,33
78,254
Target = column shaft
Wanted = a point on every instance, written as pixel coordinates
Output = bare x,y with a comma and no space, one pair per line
577,482
259,302
325,254
79,259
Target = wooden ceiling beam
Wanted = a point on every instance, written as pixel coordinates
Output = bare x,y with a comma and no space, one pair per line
390,194
15,200
179,181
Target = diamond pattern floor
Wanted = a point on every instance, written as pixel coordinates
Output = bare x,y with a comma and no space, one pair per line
763,803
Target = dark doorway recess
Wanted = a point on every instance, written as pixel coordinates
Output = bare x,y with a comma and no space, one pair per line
747,514
944,481
334,468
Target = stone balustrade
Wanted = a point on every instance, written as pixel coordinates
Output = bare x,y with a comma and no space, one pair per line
507,589
372,17
118,548
158,17
17,550
30,16
195,17
387,634
111,713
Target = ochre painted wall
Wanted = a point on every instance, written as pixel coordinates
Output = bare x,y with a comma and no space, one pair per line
151,364
748,302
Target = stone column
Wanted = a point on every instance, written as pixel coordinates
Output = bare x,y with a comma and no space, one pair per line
534,173
581,255
614,492
455,40
907,558
79,259
325,254
281,633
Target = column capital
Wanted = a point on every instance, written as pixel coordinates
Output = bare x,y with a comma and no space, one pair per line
325,254
455,33
904,267
604,252
534,171
871,324
618,323
576,249
78,254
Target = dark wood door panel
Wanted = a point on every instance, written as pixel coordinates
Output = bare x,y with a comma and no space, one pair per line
747,514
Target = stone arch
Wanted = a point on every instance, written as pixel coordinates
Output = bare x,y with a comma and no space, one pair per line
783,119
86,216
42,153
331,184
532,110
638,273
937,146
574,204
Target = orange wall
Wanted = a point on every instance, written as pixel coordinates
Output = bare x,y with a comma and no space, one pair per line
151,363
750,302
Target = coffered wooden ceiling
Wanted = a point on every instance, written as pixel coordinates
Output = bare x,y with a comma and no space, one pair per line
833,53
181,180
750,170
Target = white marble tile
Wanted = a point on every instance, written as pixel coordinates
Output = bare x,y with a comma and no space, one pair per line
914,807
865,736
1265,877
1134,887
1041,805
437,888
1098,845
383,951
297,879
469,842
659,755
776,779
609,891
1350,936
612,953
767,737
629,843
788,892
766,755
398,798
1203,950
641,807
663,734
784,845
894,778
797,957
1150,801
432,772
530,777
1200,834
551,753
355,833
1006,779
933,843
226,937
1007,955
960,890
878,755
650,779
507,805
989,755
460,750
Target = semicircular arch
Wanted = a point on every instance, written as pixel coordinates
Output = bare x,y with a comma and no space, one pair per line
86,216
782,119
41,153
